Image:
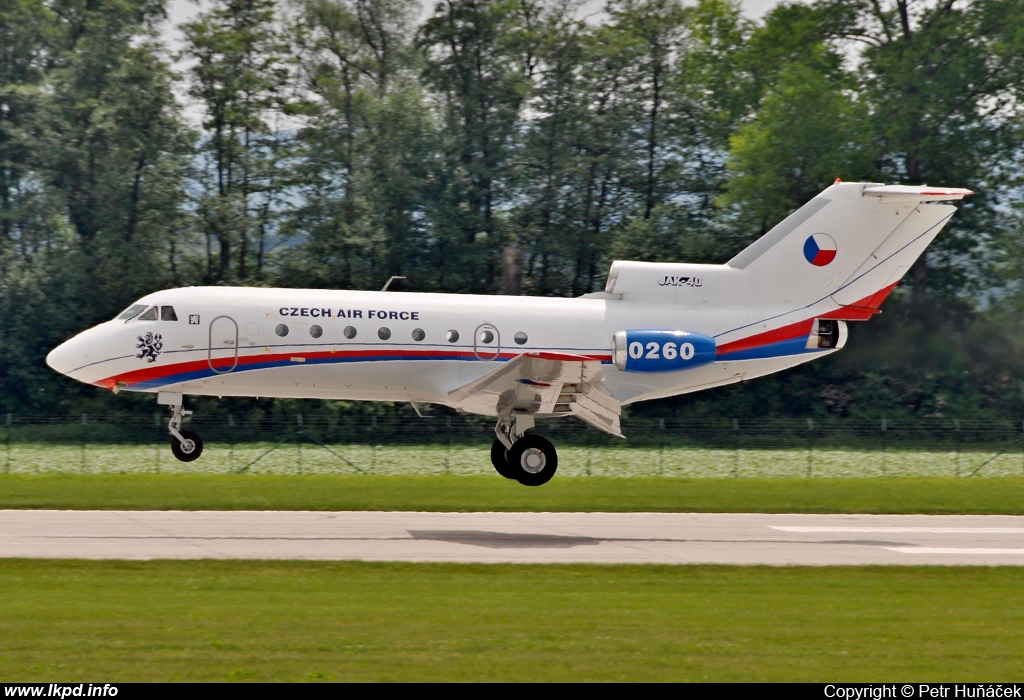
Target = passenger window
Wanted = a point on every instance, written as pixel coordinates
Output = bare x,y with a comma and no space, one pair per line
418,334
316,331
350,332
520,338
486,337
281,330
167,313
131,312
384,333
452,336
150,315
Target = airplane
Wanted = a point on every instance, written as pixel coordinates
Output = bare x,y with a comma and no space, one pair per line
657,330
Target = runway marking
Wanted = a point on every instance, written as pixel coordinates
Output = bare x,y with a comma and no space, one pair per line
935,530
954,550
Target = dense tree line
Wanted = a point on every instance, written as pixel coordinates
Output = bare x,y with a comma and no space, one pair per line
508,146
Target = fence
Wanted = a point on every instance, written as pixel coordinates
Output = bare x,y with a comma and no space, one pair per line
460,444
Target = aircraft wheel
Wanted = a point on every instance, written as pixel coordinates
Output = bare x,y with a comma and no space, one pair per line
499,458
192,448
532,460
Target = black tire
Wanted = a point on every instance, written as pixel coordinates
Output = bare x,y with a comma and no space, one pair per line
499,458
523,462
184,453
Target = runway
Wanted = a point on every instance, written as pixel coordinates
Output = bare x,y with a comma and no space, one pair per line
634,538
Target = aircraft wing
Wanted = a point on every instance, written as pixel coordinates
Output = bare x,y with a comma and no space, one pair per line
544,383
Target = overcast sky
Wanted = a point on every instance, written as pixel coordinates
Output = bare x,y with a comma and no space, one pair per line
183,10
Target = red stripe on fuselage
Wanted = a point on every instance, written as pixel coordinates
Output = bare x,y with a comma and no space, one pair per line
862,310
793,330
127,379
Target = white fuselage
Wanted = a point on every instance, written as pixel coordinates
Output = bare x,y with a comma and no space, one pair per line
225,342
781,301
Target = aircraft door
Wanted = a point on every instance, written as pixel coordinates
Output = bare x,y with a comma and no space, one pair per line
486,342
222,353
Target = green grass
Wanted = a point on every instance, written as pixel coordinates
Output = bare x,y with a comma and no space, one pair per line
474,460
492,493
305,621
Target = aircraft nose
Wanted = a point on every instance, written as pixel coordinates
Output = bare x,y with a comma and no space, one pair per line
69,355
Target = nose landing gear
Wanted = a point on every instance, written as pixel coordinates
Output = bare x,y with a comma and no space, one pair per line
186,445
528,458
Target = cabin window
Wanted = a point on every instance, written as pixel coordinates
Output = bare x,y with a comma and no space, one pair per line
316,331
281,330
349,332
418,334
167,313
149,315
520,338
131,312
452,336
486,336
384,333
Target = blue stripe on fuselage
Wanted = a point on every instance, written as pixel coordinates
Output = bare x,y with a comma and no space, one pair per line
783,348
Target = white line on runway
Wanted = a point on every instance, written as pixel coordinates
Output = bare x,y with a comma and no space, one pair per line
954,550
894,530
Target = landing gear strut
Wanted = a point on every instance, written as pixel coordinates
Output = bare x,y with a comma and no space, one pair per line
186,445
528,458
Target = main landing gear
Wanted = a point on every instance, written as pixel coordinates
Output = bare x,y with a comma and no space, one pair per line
186,445
528,458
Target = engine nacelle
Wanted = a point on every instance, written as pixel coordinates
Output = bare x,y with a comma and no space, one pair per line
661,351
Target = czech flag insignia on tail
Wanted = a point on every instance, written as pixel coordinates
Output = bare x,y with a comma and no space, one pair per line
820,249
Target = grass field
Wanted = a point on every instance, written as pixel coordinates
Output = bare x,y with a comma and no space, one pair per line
321,621
682,462
304,621
492,493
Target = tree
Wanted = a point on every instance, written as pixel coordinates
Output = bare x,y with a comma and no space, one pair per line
807,133
94,153
239,78
942,80
473,62
365,145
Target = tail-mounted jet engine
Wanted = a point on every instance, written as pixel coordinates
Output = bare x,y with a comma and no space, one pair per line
662,351
826,334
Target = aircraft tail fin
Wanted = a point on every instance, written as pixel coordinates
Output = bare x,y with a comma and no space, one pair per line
853,243
848,246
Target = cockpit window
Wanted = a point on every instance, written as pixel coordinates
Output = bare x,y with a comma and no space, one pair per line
150,315
131,312
167,313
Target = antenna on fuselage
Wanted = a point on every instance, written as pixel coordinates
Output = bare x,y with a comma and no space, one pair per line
391,279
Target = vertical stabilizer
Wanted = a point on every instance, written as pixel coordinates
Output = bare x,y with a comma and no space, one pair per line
852,242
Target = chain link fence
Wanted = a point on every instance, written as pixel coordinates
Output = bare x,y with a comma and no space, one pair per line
460,444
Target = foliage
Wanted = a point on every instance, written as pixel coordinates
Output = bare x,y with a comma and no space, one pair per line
435,493
508,146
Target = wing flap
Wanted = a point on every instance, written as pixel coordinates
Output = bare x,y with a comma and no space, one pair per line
598,408
543,384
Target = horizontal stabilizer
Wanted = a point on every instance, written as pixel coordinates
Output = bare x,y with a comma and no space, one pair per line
915,193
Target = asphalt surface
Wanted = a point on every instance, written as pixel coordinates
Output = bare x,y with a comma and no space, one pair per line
638,538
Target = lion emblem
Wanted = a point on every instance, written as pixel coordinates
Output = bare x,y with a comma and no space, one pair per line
149,346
